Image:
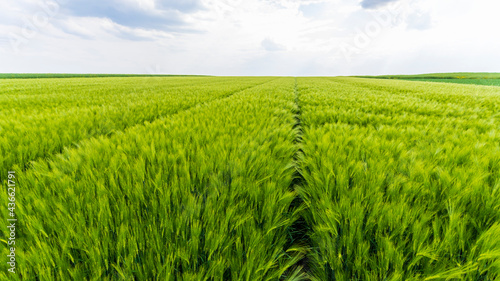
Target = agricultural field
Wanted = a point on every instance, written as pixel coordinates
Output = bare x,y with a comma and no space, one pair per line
249,178
401,179
476,78
69,75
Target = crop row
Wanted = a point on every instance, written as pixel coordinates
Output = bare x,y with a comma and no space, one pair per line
440,92
36,125
203,195
47,95
400,201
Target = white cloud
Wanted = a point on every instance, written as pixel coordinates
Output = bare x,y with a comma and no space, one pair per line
269,45
252,37
371,4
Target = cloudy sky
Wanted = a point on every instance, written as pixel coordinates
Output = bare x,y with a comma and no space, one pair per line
249,37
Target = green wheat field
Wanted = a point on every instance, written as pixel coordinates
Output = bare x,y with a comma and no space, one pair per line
251,178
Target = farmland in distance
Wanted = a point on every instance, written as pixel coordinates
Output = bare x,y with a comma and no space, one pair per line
475,78
251,178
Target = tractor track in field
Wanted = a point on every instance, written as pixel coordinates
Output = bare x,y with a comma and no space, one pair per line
78,142
298,232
